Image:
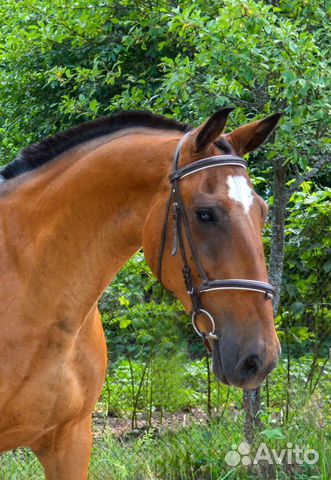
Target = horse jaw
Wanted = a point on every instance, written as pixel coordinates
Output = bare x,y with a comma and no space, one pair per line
217,363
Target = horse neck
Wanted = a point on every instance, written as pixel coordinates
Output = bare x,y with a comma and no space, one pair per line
83,223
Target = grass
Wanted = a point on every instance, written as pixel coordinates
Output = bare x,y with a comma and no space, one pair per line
21,464
197,450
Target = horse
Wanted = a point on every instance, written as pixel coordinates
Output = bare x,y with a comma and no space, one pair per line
73,209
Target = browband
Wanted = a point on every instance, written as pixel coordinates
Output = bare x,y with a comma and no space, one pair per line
216,161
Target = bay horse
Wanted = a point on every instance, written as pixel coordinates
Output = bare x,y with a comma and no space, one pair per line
73,209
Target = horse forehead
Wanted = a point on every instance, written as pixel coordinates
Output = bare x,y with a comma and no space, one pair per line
240,191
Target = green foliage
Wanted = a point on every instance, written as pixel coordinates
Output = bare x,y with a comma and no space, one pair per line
65,62
161,384
137,314
309,231
306,289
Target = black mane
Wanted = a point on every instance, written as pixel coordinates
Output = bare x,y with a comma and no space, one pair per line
40,153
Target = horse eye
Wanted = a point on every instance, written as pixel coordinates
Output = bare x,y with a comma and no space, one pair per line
205,216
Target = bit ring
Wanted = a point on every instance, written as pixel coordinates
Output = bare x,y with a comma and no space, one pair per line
211,334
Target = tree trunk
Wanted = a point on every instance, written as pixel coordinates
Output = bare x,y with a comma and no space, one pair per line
276,265
251,407
276,262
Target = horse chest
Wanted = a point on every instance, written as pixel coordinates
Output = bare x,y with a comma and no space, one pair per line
42,385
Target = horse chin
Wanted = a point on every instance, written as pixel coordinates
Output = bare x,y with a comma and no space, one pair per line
217,363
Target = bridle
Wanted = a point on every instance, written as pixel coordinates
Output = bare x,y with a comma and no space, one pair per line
181,224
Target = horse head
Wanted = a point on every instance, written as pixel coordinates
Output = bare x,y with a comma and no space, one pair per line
203,239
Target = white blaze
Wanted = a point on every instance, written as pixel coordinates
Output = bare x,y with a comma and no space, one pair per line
240,191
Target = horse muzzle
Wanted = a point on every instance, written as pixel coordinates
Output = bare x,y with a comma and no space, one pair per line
240,367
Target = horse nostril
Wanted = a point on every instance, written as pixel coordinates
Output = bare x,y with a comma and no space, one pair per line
249,366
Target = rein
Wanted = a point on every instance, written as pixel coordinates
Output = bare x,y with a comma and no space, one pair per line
181,224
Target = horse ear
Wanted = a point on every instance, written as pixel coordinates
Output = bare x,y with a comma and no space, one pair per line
211,129
250,136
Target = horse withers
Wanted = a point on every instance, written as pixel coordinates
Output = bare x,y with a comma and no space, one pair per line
73,209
